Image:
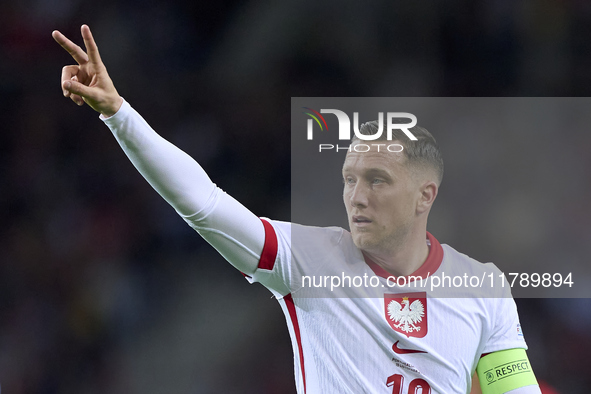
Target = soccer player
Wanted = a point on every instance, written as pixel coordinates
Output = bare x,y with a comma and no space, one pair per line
375,338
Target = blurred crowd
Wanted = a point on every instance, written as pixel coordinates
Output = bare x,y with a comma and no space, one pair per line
103,289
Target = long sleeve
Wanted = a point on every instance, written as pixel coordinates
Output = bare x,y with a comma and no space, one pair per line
225,223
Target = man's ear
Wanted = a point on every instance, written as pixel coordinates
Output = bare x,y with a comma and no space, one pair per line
428,192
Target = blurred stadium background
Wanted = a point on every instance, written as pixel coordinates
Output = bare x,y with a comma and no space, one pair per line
103,289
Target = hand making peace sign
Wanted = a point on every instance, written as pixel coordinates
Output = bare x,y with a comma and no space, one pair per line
88,82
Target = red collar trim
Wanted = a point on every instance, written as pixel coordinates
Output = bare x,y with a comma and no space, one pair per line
428,268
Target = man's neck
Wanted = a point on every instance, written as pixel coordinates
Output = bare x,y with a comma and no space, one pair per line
408,257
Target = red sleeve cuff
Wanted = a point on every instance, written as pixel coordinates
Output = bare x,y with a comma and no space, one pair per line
269,254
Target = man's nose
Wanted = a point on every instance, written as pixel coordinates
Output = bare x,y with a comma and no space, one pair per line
359,196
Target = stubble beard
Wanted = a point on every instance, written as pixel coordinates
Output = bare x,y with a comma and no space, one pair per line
382,243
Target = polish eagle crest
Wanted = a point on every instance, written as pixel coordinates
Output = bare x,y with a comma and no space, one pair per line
406,317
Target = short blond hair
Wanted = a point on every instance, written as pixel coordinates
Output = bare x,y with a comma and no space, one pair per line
424,152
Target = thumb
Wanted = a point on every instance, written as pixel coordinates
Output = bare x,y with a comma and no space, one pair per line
78,88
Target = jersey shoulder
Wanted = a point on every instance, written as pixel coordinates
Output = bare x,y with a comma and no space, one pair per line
454,260
488,281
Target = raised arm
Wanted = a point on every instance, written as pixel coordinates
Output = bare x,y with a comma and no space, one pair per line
226,224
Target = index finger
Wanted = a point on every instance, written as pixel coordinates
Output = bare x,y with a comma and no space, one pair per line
91,48
74,50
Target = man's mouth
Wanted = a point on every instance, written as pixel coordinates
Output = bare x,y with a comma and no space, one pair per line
360,220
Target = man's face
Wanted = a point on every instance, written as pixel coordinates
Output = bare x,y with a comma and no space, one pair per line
381,198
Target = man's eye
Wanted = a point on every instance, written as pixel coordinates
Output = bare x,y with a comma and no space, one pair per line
377,181
348,181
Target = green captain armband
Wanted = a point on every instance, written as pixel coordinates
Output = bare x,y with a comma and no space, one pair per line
505,370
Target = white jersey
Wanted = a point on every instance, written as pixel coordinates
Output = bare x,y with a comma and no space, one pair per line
403,340
349,340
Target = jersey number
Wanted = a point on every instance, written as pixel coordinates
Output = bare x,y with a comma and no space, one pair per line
396,381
